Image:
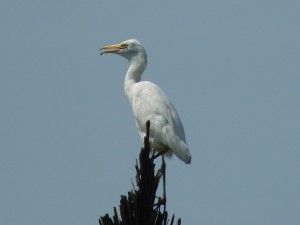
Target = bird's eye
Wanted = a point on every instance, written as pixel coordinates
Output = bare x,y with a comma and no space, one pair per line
124,45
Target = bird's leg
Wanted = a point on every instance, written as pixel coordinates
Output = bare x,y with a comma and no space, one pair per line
163,168
163,200
158,154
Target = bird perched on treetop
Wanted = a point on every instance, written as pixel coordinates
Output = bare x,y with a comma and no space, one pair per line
149,102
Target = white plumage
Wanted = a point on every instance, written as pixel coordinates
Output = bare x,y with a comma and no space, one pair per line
149,102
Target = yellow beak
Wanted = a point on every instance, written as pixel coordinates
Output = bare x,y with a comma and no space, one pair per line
112,49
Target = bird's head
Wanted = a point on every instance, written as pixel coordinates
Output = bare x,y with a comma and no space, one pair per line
127,49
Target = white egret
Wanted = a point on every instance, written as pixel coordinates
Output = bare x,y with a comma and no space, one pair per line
149,102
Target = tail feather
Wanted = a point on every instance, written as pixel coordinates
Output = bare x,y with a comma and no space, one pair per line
180,149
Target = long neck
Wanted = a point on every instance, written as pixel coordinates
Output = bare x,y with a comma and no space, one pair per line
137,65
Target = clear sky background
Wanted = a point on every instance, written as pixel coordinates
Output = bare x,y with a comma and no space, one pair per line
68,141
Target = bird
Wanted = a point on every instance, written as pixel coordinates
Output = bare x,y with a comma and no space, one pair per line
149,102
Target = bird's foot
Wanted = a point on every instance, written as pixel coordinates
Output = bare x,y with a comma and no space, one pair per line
160,202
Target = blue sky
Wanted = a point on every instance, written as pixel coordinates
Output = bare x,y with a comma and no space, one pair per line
68,141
